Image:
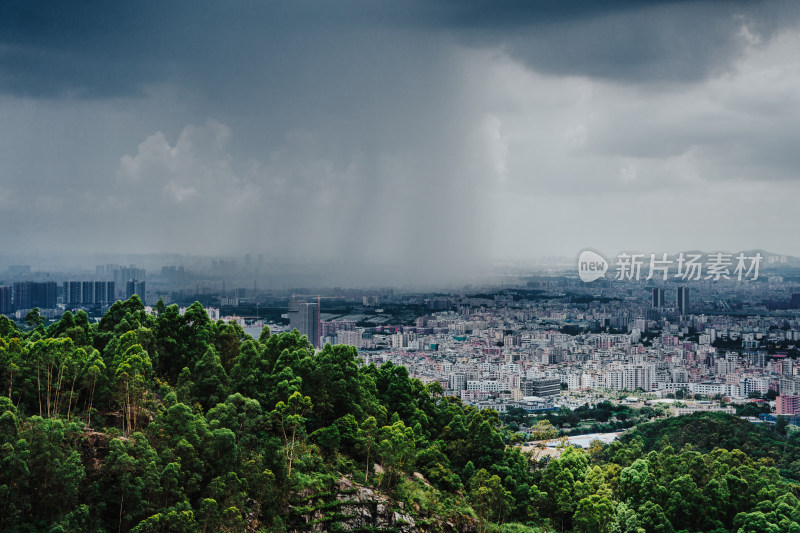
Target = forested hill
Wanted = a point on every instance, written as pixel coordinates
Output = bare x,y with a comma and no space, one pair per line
176,423
704,432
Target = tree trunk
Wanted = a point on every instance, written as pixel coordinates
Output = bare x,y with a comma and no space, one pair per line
291,454
366,472
49,388
122,499
39,388
57,399
69,402
126,408
91,399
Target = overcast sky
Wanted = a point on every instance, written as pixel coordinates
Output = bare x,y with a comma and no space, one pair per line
434,135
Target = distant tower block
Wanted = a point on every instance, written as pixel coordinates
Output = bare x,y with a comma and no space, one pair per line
658,297
682,300
304,317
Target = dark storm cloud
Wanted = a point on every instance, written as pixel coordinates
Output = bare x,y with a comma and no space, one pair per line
274,67
626,40
54,49
100,49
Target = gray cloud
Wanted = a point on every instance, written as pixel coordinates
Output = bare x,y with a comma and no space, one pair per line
674,41
99,49
429,137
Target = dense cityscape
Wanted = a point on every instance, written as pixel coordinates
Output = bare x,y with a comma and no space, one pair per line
516,345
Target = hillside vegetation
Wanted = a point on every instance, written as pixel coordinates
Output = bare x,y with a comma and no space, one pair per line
176,423
704,432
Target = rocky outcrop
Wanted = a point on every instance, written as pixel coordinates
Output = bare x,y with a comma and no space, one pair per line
356,508
94,450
